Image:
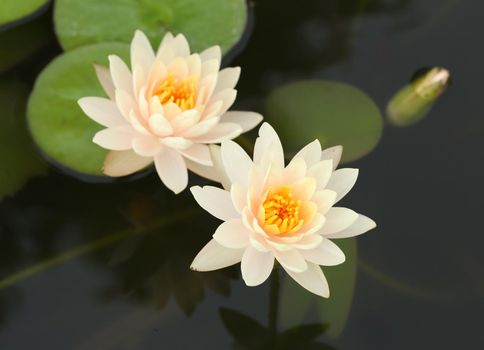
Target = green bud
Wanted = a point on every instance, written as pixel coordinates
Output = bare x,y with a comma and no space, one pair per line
412,103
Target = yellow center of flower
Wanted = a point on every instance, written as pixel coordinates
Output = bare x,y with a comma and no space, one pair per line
181,93
282,210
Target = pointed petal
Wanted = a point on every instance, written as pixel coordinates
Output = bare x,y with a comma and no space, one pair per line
321,171
246,120
214,256
256,266
327,254
141,51
338,219
216,201
227,78
212,53
312,279
102,111
200,129
361,225
122,163
219,133
333,153
176,142
232,234
239,197
180,46
120,74
236,163
227,97
268,138
104,76
117,138
324,199
172,169
207,172
311,153
342,181
159,125
198,153
216,155
146,146
291,260
308,242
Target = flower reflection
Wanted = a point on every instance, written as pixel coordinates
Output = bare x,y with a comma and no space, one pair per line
280,212
166,109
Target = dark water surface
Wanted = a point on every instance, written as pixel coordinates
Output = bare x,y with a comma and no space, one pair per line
105,266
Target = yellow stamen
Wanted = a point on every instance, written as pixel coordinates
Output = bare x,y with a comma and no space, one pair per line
182,93
282,210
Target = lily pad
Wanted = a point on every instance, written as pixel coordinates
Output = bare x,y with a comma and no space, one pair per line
333,311
59,127
333,112
12,10
204,23
18,156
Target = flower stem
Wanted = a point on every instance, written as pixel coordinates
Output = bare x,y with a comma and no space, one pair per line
274,306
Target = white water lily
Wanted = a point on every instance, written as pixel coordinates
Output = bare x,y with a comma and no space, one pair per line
166,110
273,211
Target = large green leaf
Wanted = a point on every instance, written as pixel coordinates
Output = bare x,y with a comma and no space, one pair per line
12,10
58,125
335,113
297,302
205,23
18,157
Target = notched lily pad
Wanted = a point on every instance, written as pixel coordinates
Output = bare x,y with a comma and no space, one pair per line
204,23
333,112
58,125
18,156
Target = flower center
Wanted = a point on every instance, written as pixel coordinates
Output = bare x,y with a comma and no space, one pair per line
282,210
181,93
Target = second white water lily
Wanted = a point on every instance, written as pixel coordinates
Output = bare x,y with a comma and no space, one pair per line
272,211
166,109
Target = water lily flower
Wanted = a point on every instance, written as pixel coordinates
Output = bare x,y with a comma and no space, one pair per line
273,211
166,110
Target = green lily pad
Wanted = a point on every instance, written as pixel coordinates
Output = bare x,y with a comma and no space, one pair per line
12,10
297,302
32,35
58,125
205,23
333,112
18,156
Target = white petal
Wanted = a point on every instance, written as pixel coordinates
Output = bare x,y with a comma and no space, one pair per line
227,78
180,45
194,64
308,242
212,53
120,74
122,163
342,181
141,51
333,153
312,279
117,138
198,153
104,77
102,111
239,196
216,155
338,219
185,120
176,142
214,256
201,128
311,153
125,103
159,125
227,97
165,52
219,133
327,254
291,260
268,138
321,171
232,234
256,266
361,225
172,169
146,146
295,171
216,201
236,162
246,120
207,172
324,199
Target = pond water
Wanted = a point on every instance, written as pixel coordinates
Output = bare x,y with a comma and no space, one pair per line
105,266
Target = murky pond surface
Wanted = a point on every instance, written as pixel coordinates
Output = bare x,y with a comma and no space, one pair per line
105,266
